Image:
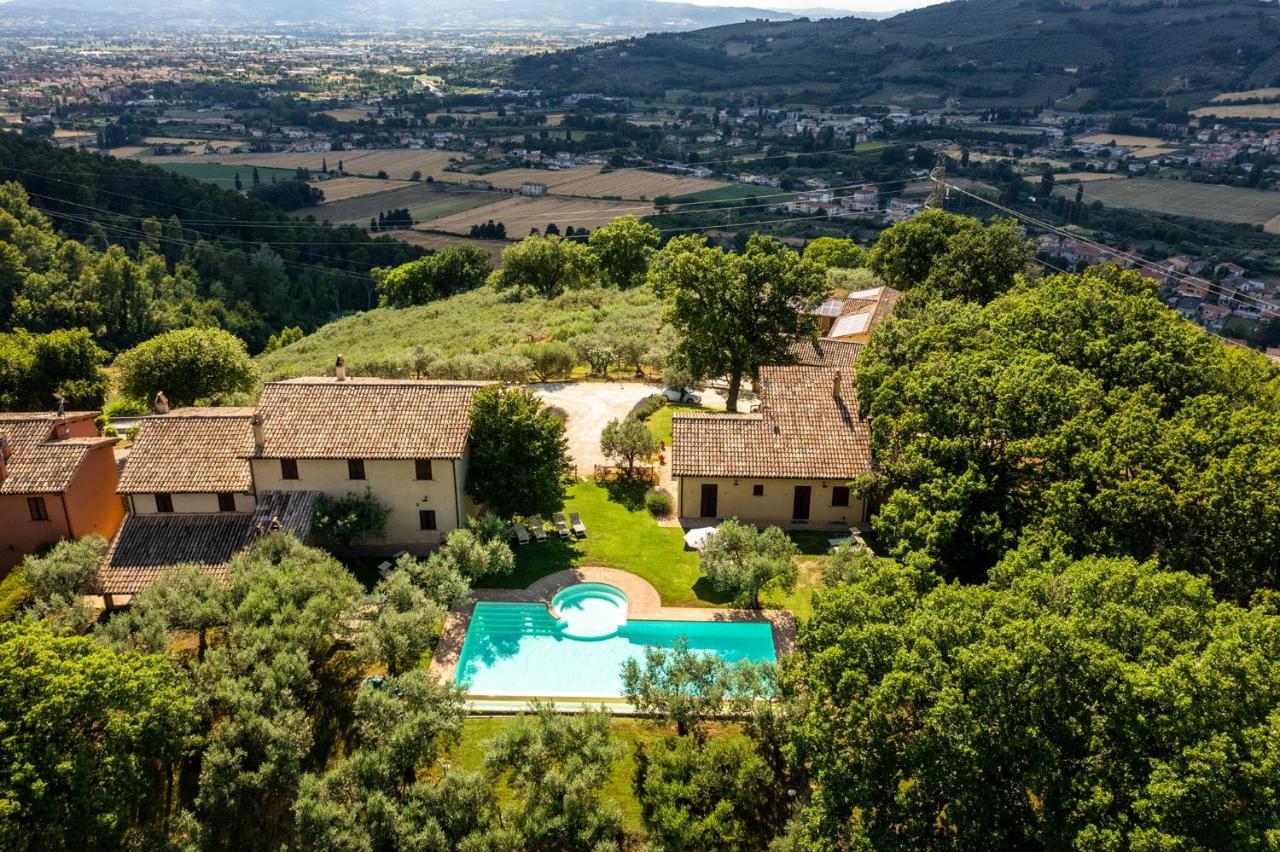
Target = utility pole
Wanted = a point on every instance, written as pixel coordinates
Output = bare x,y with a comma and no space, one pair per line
938,195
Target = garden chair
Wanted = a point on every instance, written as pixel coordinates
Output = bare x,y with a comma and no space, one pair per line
562,529
579,528
537,526
521,533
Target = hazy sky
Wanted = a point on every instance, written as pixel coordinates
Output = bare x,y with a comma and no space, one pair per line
851,5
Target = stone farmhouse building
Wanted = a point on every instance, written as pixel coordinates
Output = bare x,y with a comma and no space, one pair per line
202,483
57,480
789,463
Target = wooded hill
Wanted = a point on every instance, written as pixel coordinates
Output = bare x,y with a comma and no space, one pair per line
257,269
996,53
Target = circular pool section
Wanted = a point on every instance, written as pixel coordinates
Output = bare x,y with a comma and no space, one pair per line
590,610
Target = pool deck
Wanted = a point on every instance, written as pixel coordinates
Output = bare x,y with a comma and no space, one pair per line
643,604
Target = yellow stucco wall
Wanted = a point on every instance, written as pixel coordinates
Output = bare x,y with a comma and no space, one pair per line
391,481
145,504
736,500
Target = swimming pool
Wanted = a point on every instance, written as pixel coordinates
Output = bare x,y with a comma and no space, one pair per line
576,647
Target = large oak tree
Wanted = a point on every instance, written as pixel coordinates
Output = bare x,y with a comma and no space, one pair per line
735,312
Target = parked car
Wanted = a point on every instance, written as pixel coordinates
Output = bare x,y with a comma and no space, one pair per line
682,395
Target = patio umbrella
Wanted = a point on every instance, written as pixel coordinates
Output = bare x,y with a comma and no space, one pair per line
696,538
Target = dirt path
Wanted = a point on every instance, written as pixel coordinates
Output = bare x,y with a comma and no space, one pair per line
591,405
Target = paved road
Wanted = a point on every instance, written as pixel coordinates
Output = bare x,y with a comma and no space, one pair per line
590,405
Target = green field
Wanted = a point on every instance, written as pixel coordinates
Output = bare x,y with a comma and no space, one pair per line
1183,198
224,175
423,202
735,192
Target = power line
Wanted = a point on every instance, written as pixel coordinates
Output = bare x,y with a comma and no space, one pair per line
1226,340
1216,289
302,224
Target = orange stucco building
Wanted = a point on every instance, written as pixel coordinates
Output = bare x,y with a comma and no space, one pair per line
58,480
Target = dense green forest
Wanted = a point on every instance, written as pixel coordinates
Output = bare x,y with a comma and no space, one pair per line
127,249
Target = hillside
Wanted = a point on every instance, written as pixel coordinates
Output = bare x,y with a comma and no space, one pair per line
471,335
245,266
1016,53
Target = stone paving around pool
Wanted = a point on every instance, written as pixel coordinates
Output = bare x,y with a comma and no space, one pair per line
643,604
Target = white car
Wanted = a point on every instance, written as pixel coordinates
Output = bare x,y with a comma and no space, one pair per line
682,395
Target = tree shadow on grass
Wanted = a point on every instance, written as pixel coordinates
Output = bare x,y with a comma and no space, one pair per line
338,680
706,591
629,493
815,542
535,561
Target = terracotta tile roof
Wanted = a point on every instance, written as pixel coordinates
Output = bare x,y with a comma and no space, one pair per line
147,546
40,462
193,450
838,354
803,430
365,419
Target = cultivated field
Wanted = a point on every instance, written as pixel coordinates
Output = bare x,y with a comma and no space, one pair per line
128,152
423,202
1086,177
1261,94
444,241
590,181
342,189
1148,146
398,165
221,174
1241,111
351,114
520,214
1182,198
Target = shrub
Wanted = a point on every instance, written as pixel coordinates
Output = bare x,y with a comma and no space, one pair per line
125,408
389,367
15,593
646,408
659,503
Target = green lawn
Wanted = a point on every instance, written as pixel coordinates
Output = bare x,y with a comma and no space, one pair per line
660,421
621,534
478,730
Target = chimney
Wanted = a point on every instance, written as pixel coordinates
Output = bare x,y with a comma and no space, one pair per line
162,403
259,433
6,450
835,385
341,369
61,430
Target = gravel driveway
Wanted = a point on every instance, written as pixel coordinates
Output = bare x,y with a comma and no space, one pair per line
590,405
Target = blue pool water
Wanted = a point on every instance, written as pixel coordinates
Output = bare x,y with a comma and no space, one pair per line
517,649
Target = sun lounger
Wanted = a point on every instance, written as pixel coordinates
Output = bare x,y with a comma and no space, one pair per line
521,533
579,528
384,569
537,527
562,529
